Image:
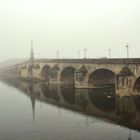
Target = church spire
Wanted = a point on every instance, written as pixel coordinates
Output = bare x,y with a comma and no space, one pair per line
32,51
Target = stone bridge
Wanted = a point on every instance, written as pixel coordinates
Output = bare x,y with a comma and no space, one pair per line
124,74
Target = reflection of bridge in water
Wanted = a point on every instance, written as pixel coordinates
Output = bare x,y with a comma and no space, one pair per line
100,102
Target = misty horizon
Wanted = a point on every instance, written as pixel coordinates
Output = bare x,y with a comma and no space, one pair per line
68,27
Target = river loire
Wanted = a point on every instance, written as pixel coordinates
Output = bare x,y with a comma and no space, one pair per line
41,112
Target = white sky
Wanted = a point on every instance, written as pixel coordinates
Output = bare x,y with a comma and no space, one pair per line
68,26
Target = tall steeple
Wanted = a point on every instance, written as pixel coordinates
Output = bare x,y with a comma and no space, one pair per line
32,52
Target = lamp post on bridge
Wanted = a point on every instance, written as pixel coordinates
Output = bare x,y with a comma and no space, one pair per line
79,54
85,52
109,51
127,49
57,54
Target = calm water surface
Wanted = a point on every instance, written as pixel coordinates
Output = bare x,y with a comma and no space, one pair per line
41,112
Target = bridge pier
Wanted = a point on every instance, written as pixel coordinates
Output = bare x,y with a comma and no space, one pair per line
124,85
81,79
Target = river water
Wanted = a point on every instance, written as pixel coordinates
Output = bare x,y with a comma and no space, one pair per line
36,111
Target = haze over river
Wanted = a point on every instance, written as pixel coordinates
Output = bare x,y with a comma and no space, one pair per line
36,111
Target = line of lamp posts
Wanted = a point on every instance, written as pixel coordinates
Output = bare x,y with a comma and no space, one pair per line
85,53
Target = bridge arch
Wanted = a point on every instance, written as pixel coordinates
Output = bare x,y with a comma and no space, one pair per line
67,75
54,71
136,87
45,72
102,77
30,70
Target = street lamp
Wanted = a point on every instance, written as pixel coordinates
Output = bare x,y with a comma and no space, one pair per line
109,51
85,52
79,54
57,54
127,49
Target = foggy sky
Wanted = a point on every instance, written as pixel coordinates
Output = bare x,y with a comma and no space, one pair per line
68,26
